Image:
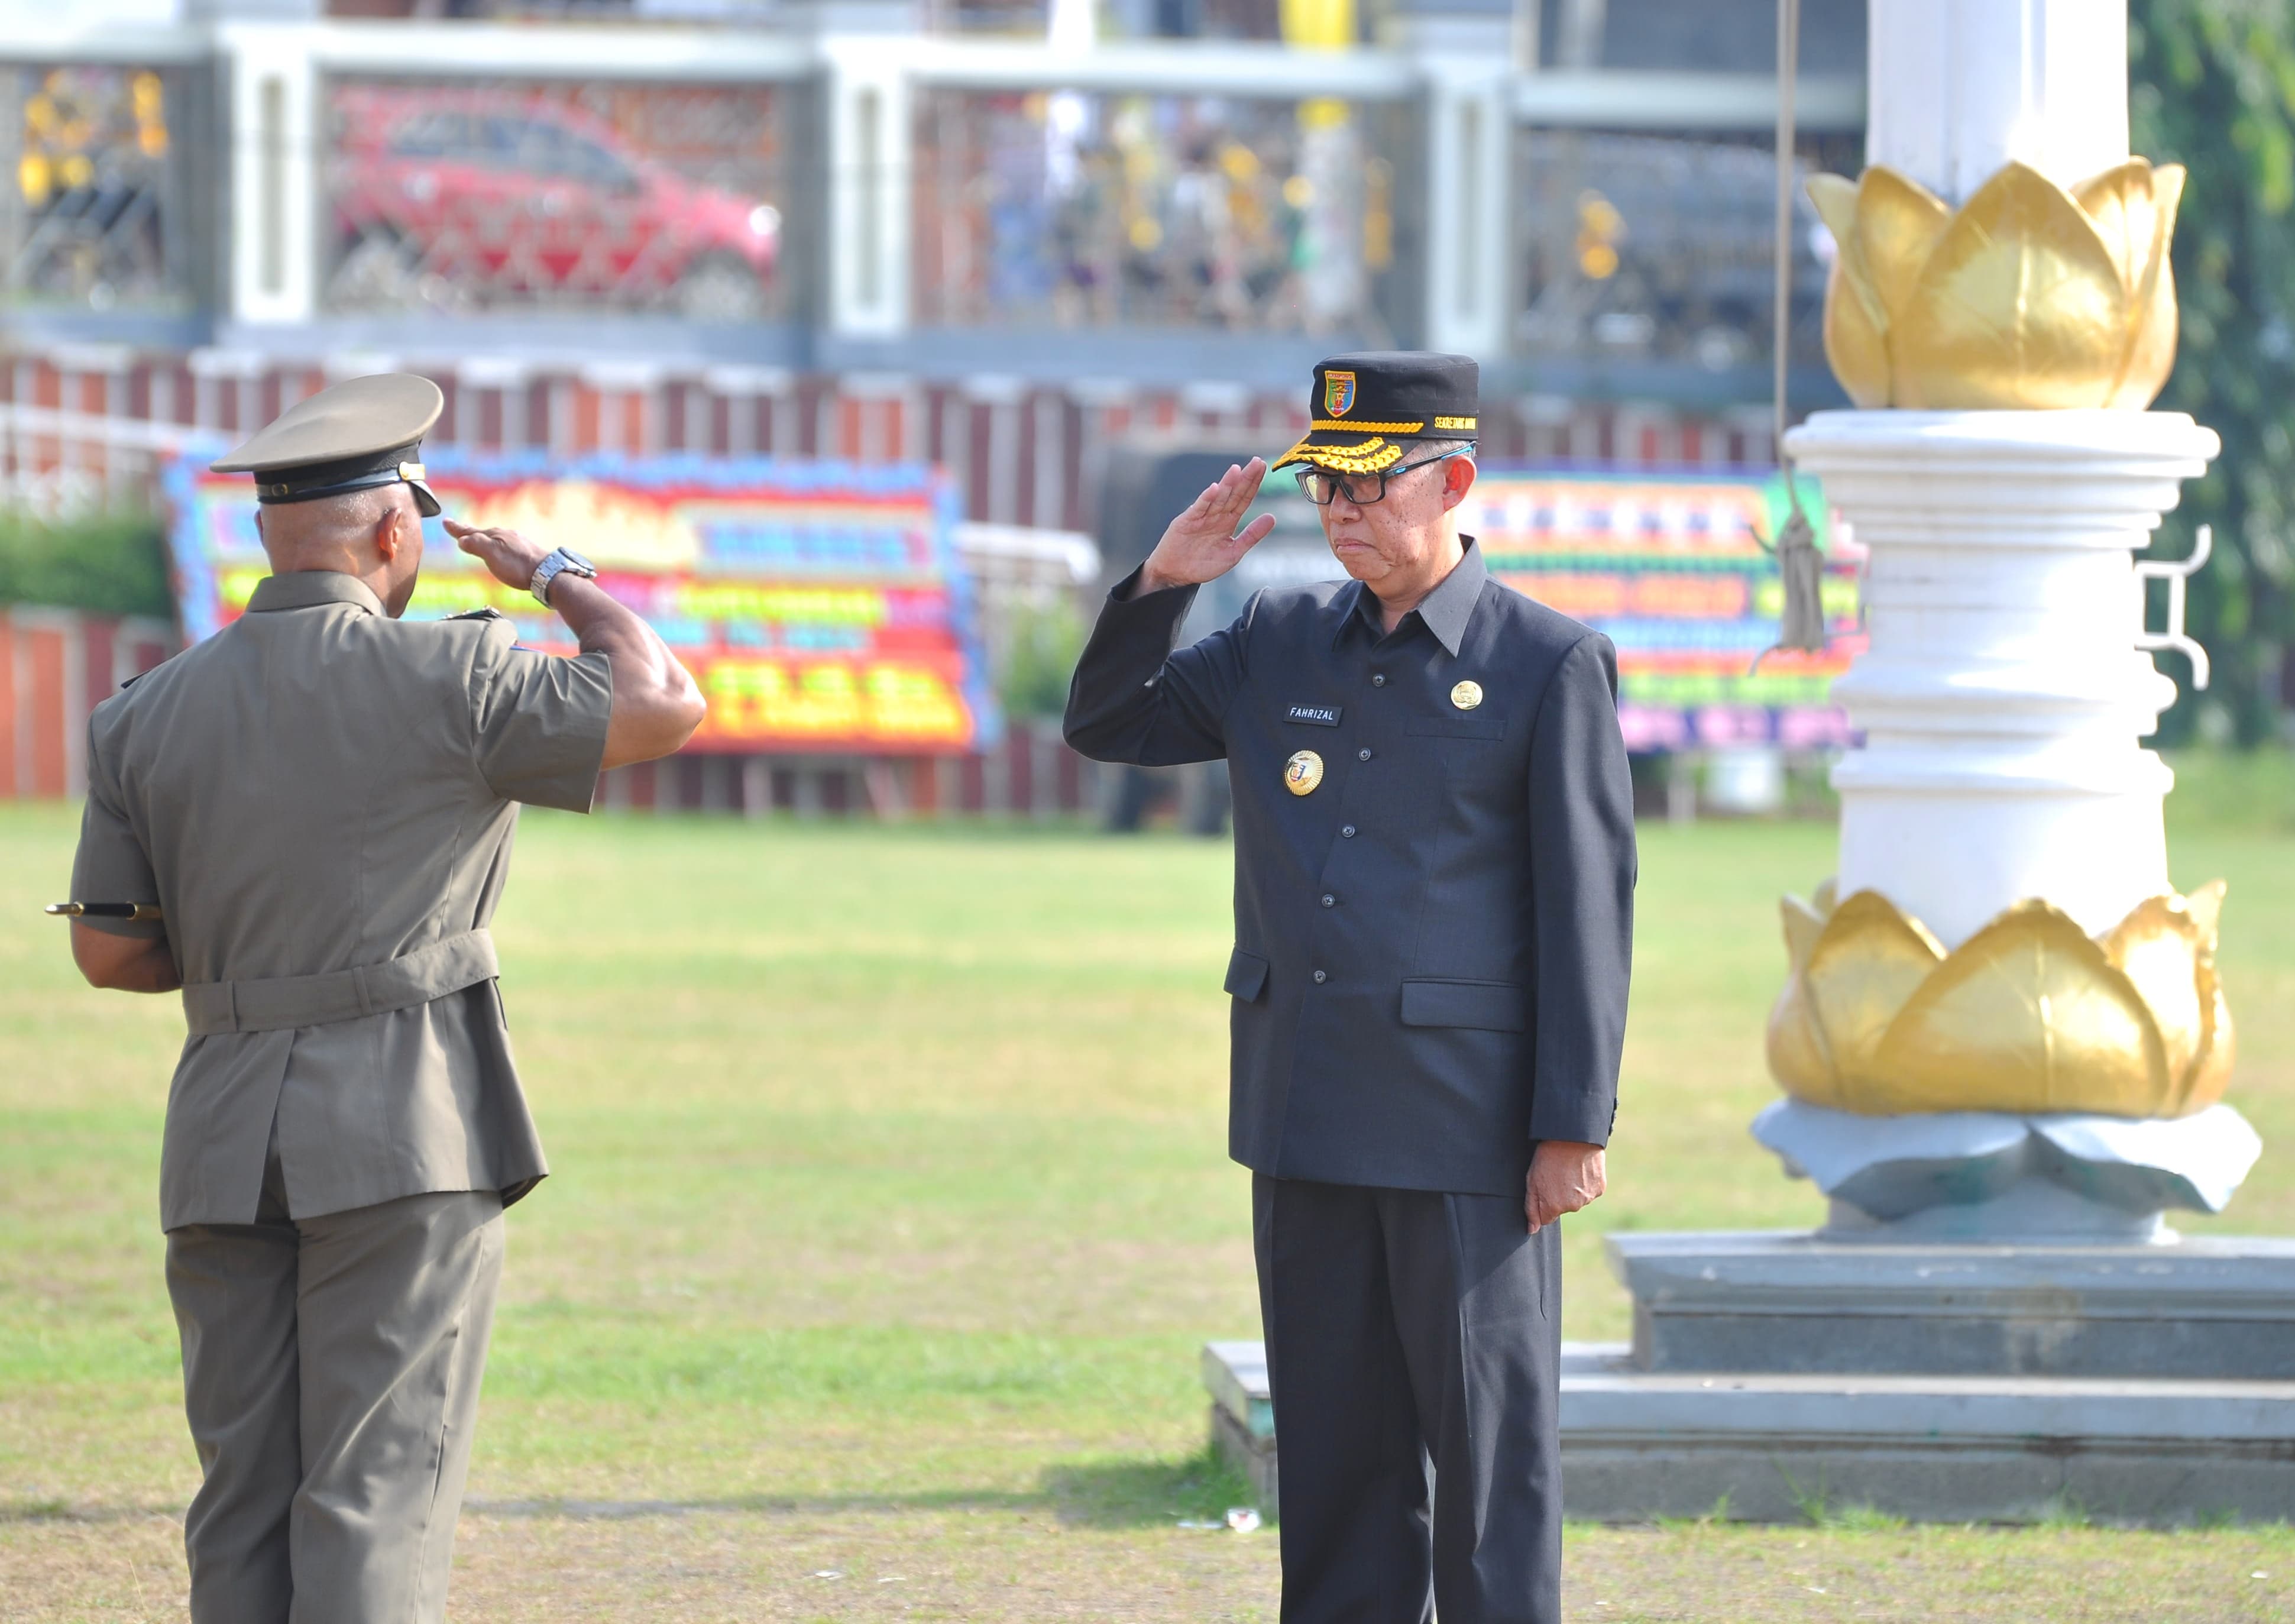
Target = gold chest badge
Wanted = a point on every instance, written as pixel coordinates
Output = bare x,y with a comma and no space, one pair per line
1302,772
1466,696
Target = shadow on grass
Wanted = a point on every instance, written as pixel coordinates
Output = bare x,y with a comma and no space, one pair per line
1146,1493
1121,1492
1110,1494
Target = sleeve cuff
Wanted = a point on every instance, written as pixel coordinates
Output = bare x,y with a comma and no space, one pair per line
1580,1122
147,929
1172,600
575,789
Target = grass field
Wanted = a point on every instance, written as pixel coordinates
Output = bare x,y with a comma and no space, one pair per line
891,1208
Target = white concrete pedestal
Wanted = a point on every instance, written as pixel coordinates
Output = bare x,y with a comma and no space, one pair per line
2003,695
2005,692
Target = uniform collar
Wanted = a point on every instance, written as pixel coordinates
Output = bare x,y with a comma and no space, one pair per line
307,589
1445,610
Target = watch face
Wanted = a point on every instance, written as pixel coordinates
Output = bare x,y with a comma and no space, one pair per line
578,561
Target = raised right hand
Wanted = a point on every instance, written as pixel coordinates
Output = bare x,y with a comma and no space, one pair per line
1203,543
512,559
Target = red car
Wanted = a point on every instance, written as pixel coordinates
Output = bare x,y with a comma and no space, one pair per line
465,198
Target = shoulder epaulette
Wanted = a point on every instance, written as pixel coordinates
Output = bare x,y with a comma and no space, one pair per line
476,614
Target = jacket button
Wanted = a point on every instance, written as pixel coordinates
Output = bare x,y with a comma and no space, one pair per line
1348,831
1320,978
1378,682
1362,755
1329,901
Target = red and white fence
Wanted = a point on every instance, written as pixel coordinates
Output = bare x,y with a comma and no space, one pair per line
56,666
1024,453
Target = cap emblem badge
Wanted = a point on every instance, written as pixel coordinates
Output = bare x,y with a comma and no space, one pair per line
1302,772
1466,696
1338,393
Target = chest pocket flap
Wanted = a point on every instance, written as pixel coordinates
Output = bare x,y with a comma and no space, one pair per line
1489,1005
1246,976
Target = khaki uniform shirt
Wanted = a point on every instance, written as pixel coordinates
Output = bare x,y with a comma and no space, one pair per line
322,799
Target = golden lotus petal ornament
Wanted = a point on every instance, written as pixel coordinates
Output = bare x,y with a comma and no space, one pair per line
2027,1010
2029,295
1867,961
2029,1014
2166,947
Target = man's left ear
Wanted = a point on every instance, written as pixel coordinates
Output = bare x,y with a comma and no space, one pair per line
388,537
1458,479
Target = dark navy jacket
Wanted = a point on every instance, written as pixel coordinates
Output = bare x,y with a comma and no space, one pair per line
1432,947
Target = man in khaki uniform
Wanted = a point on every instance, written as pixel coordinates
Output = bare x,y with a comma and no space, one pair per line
314,808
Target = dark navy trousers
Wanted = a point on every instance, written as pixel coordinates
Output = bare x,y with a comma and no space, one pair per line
1410,1330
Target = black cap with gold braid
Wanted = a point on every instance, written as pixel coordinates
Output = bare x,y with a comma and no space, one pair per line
1365,408
355,436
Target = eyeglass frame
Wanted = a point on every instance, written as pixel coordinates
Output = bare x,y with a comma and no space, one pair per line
1302,475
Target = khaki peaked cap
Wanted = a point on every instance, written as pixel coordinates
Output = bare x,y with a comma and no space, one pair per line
354,436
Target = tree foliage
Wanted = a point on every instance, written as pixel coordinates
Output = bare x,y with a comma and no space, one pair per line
1045,641
106,563
2212,86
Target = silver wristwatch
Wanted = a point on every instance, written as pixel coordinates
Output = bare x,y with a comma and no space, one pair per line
564,561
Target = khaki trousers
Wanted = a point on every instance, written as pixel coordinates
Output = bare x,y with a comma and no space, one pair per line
331,1374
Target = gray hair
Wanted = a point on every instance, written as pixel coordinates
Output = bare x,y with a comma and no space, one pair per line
1427,451
316,527
354,510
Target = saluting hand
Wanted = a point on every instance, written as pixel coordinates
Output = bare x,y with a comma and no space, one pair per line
512,559
1203,544
1563,1178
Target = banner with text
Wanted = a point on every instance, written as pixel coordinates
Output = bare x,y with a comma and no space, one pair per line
1675,570
820,605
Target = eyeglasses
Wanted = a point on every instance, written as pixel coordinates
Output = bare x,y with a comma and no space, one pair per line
1323,487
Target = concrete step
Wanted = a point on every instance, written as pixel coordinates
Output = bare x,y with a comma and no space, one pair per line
2202,1308
1782,1447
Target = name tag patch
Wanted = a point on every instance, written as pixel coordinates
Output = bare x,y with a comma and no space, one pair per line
1314,715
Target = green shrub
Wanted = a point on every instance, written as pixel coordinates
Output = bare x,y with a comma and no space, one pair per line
106,563
1046,641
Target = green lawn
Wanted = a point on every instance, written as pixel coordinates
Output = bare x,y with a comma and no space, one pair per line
891,1208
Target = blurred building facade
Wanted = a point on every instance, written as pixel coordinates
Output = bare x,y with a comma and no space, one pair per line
1002,237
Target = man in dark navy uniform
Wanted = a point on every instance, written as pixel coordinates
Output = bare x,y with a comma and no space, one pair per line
1434,873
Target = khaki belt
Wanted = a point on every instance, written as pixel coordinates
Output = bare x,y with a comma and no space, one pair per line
342,995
